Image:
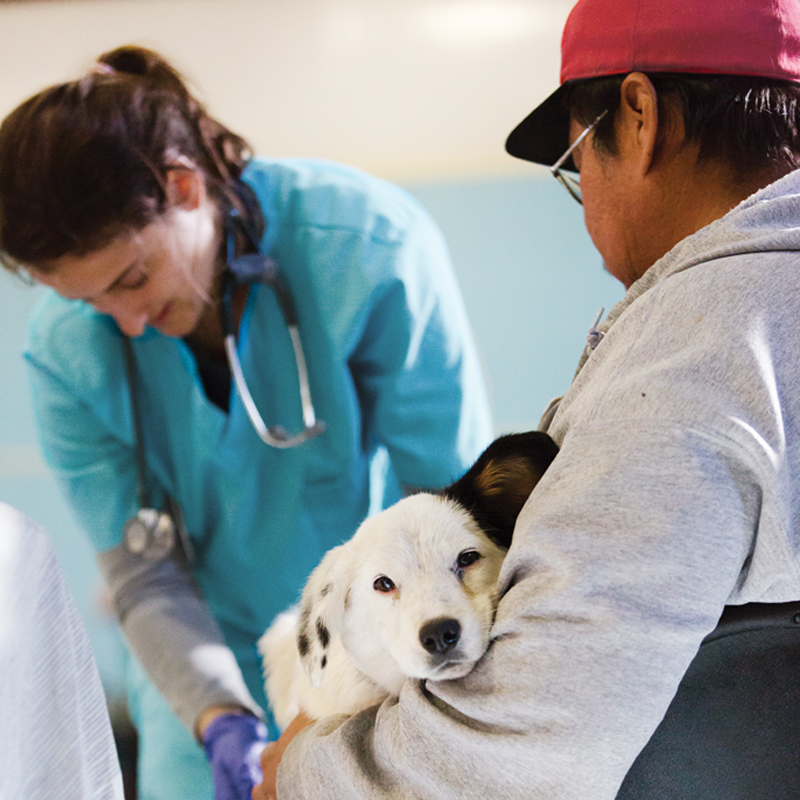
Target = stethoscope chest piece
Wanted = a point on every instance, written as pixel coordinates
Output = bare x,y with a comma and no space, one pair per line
150,534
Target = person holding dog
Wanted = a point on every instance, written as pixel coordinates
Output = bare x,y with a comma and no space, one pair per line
647,638
240,360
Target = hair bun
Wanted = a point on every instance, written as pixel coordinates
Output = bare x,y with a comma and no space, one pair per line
134,60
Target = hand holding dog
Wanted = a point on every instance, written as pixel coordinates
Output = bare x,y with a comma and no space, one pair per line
271,759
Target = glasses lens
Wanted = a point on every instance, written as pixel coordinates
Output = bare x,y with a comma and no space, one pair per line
571,183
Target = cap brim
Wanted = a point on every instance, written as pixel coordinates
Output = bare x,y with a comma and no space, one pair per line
543,136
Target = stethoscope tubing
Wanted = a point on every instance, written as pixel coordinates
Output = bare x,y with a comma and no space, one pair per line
276,435
256,268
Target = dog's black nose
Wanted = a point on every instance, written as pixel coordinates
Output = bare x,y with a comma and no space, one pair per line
440,635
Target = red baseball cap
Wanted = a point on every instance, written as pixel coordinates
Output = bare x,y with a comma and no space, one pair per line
614,37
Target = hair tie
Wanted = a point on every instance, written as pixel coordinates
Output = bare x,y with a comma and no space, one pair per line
101,68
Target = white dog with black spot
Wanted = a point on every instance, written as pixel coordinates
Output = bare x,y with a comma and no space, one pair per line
412,595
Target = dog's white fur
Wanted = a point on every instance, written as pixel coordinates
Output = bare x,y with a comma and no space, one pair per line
433,617
375,640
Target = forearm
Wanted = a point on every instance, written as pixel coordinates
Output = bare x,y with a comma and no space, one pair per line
173,634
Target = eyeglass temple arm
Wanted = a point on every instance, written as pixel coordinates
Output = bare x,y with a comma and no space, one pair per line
571,149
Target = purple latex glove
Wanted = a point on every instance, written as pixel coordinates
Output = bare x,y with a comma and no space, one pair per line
233,744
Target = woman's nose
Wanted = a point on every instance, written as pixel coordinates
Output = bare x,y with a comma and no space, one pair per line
130,318
131,324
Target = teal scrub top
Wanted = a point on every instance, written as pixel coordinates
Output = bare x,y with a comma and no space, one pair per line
393,372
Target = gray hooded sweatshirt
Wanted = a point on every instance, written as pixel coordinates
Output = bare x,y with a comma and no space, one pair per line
674,494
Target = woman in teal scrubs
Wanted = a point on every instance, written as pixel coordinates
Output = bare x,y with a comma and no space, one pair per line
120,193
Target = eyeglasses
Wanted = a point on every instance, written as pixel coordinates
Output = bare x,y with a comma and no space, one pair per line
572,183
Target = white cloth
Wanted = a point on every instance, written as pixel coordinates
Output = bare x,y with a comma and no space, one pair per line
55,734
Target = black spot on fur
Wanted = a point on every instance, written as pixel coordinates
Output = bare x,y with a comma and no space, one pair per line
326,590
323,634
303,640
495,488
303,645
324,662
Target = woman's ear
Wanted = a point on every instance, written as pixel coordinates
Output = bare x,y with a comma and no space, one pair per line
185,186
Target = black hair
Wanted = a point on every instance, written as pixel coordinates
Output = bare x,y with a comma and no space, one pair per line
750,123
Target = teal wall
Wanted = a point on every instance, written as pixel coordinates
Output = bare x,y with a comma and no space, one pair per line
532,283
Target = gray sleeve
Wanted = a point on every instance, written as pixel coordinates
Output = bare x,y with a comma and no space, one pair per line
613,579
172,632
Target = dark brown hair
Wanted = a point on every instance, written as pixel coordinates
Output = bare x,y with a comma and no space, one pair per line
81,162
752,124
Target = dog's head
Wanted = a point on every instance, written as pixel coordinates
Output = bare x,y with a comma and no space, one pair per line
413,593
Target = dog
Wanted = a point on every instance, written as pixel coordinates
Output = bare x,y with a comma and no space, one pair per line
411,595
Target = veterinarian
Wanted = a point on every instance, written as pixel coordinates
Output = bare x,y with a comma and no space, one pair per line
354,368
649,620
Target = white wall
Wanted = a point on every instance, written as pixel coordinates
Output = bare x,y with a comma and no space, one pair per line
405,88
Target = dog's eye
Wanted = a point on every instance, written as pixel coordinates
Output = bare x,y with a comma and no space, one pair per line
383,584
467,558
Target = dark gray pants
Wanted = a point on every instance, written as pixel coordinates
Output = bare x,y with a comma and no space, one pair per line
732,731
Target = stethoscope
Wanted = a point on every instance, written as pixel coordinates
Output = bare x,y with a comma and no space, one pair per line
257,268
154,534
150,533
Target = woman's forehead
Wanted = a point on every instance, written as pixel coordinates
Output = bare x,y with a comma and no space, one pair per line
83,277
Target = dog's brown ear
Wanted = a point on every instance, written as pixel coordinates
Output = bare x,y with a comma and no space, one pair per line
322,608
497,485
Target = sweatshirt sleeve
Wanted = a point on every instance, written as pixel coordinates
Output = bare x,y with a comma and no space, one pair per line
608,590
